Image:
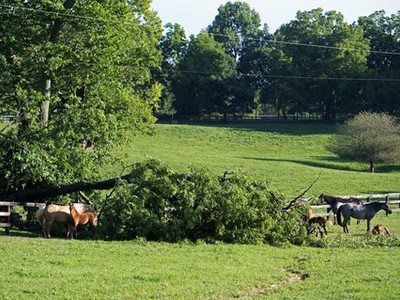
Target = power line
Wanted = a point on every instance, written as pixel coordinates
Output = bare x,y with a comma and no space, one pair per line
62,14
55,13
303,77
309,45
214,34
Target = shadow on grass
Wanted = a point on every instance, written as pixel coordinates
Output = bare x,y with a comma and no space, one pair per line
333,163
19,233
277,126
316,164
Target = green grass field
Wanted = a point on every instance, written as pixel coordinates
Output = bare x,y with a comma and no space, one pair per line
35,268
290,156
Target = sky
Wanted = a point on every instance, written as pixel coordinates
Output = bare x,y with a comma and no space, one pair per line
195,15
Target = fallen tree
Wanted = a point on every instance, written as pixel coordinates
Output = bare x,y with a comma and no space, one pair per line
41,194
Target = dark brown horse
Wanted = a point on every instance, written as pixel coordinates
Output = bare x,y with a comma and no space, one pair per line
334,203
77,218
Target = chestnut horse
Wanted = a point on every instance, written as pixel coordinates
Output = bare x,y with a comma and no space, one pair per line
320,221
51,213
77,218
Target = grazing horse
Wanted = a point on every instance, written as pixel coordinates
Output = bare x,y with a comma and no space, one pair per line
360,211
335,203
320,221
77,218
51,213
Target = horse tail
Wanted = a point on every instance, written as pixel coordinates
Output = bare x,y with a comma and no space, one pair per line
339,216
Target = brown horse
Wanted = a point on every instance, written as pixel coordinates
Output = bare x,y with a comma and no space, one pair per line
380,229
77,218
51,213
310,219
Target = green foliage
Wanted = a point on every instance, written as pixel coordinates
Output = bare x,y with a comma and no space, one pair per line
235,24
168,206
323,29
370,137
97,57
203,77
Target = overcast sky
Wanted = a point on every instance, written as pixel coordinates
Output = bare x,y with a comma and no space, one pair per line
195,15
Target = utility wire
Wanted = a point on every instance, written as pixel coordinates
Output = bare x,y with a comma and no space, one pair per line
310,45
43,11
302,77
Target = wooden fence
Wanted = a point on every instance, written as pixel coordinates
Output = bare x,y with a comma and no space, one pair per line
5,212
392,198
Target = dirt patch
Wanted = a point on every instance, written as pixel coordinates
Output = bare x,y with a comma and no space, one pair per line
293,276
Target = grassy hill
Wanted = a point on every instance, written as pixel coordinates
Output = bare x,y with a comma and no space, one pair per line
289,155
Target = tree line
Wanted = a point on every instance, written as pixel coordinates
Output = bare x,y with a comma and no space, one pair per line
316,65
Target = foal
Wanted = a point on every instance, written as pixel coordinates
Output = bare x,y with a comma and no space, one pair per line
380,229
80,218
320,221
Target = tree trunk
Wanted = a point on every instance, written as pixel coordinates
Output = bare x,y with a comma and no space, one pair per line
51,192
371,166
55,31
46,102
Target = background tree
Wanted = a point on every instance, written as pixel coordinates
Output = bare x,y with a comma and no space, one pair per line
202,84
383,33
174,47
234,25
97,56
324,30
370,137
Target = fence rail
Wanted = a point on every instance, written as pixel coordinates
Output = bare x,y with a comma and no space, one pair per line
368,198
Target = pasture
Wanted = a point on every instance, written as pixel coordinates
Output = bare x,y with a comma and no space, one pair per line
288,155
35,268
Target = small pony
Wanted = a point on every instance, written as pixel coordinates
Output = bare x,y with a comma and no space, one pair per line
320,221
77,218
380,229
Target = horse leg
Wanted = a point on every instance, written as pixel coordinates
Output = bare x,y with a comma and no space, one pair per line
345,223
324,227
46,228
368,224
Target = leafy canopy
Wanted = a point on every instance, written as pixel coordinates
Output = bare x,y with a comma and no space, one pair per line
370,137
98,57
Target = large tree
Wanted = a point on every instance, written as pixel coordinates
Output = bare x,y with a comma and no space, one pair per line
370,137
324,56
75,74
204,81
235,24
174,46
384,61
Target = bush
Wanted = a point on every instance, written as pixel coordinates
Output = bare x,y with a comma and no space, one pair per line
164,205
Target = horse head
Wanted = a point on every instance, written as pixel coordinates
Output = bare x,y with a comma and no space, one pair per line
321,199
386,208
